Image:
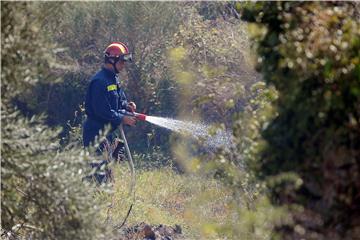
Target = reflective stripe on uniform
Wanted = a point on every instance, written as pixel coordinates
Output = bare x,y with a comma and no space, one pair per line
111,87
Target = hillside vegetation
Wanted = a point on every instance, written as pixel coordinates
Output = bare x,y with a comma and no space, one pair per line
282,77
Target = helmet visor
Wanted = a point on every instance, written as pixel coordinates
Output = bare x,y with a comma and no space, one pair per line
126,57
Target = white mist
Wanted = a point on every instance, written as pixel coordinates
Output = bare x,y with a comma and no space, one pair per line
197,130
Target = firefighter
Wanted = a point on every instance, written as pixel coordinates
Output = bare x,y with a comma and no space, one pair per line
104,99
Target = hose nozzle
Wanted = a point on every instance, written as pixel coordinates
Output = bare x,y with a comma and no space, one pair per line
140,116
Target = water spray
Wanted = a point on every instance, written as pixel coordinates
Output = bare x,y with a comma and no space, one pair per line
220,138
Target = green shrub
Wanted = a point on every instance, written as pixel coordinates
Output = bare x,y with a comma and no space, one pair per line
42,195
310,52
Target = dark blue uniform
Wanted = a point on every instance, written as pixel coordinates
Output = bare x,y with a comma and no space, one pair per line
104,99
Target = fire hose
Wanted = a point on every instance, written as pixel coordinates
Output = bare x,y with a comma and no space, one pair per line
140,117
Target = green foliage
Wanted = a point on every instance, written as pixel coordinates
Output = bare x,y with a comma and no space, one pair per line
42,195
214,10
220,80
30,62
42,192
310,53
215,66
257,114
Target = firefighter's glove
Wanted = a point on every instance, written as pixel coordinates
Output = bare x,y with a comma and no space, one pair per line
131,107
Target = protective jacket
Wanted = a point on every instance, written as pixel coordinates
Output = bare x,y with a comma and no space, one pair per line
104,99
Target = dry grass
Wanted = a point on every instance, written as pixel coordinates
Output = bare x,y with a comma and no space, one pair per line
204,207
166,197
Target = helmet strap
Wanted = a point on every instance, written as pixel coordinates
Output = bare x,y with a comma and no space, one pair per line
114,66
113,63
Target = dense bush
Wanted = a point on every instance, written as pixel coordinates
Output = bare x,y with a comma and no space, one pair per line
212,65
42,195
219,85
310,53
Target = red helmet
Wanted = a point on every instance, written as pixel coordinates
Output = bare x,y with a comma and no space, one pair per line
117,51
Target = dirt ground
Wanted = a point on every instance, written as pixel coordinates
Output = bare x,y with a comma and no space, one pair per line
151,232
